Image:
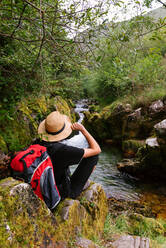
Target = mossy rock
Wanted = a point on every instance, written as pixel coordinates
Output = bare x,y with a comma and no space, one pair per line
3,146
27,222
95,202
20,131
140,225
62,106
96,125
130,147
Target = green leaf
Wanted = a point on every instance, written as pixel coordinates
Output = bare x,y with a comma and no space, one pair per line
98,58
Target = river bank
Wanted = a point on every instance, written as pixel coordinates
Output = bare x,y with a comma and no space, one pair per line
134,211
140,133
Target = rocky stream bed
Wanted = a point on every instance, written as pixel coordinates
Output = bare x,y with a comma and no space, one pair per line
94,219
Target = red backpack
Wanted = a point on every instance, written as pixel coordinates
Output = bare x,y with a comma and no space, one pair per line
34,166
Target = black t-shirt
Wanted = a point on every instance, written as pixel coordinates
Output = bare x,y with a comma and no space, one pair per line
62,156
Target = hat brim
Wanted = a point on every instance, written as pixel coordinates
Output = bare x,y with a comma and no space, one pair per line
49,137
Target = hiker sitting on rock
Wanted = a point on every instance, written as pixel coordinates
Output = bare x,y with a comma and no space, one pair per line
54,130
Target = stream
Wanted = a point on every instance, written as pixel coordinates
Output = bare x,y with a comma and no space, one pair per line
116,184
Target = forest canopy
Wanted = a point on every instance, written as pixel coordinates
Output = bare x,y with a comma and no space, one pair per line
72,50
48,43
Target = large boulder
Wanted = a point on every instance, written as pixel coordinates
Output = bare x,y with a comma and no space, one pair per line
156,107
118,122
131,166
129,241
132,225
20,130
96,125
27,222
160,129
149,163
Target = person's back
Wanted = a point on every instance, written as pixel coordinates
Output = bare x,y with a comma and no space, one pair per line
53,131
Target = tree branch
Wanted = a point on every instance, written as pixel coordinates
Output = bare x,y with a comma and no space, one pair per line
42,41
16,38
162,3
153,30
19,22
34,6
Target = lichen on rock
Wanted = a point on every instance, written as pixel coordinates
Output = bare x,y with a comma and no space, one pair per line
27,222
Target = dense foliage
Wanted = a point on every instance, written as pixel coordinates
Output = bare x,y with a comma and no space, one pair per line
38,48
68,48
131,60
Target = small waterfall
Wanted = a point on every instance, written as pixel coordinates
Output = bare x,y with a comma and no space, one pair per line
80,107
79,140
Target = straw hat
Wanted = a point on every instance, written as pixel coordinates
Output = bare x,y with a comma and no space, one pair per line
55,127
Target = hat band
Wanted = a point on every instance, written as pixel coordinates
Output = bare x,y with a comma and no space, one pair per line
55,133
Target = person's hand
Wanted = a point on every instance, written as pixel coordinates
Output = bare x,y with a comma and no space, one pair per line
77,126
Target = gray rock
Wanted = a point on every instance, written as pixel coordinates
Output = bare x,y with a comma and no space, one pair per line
68,204
160,129
128,241
136,115
21,208
84,243
156,106
151,142
65,213
89,194
128,165
121,108
27,197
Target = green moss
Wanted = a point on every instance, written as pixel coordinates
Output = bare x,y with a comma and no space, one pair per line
20,131
62,106
142,226
26,225
109,110
3,146
137,225
97,210
130,147
31,224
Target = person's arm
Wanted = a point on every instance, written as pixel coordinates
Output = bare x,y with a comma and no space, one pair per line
94,147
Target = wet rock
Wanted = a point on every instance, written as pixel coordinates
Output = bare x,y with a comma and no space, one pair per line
120,207
121,108
131,242
151,142
136,115
133,124
84,243
130,147
160,129
131,166
156,106
117,122
153,157
96,125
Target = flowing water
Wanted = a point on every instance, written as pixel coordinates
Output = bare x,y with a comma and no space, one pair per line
116,184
